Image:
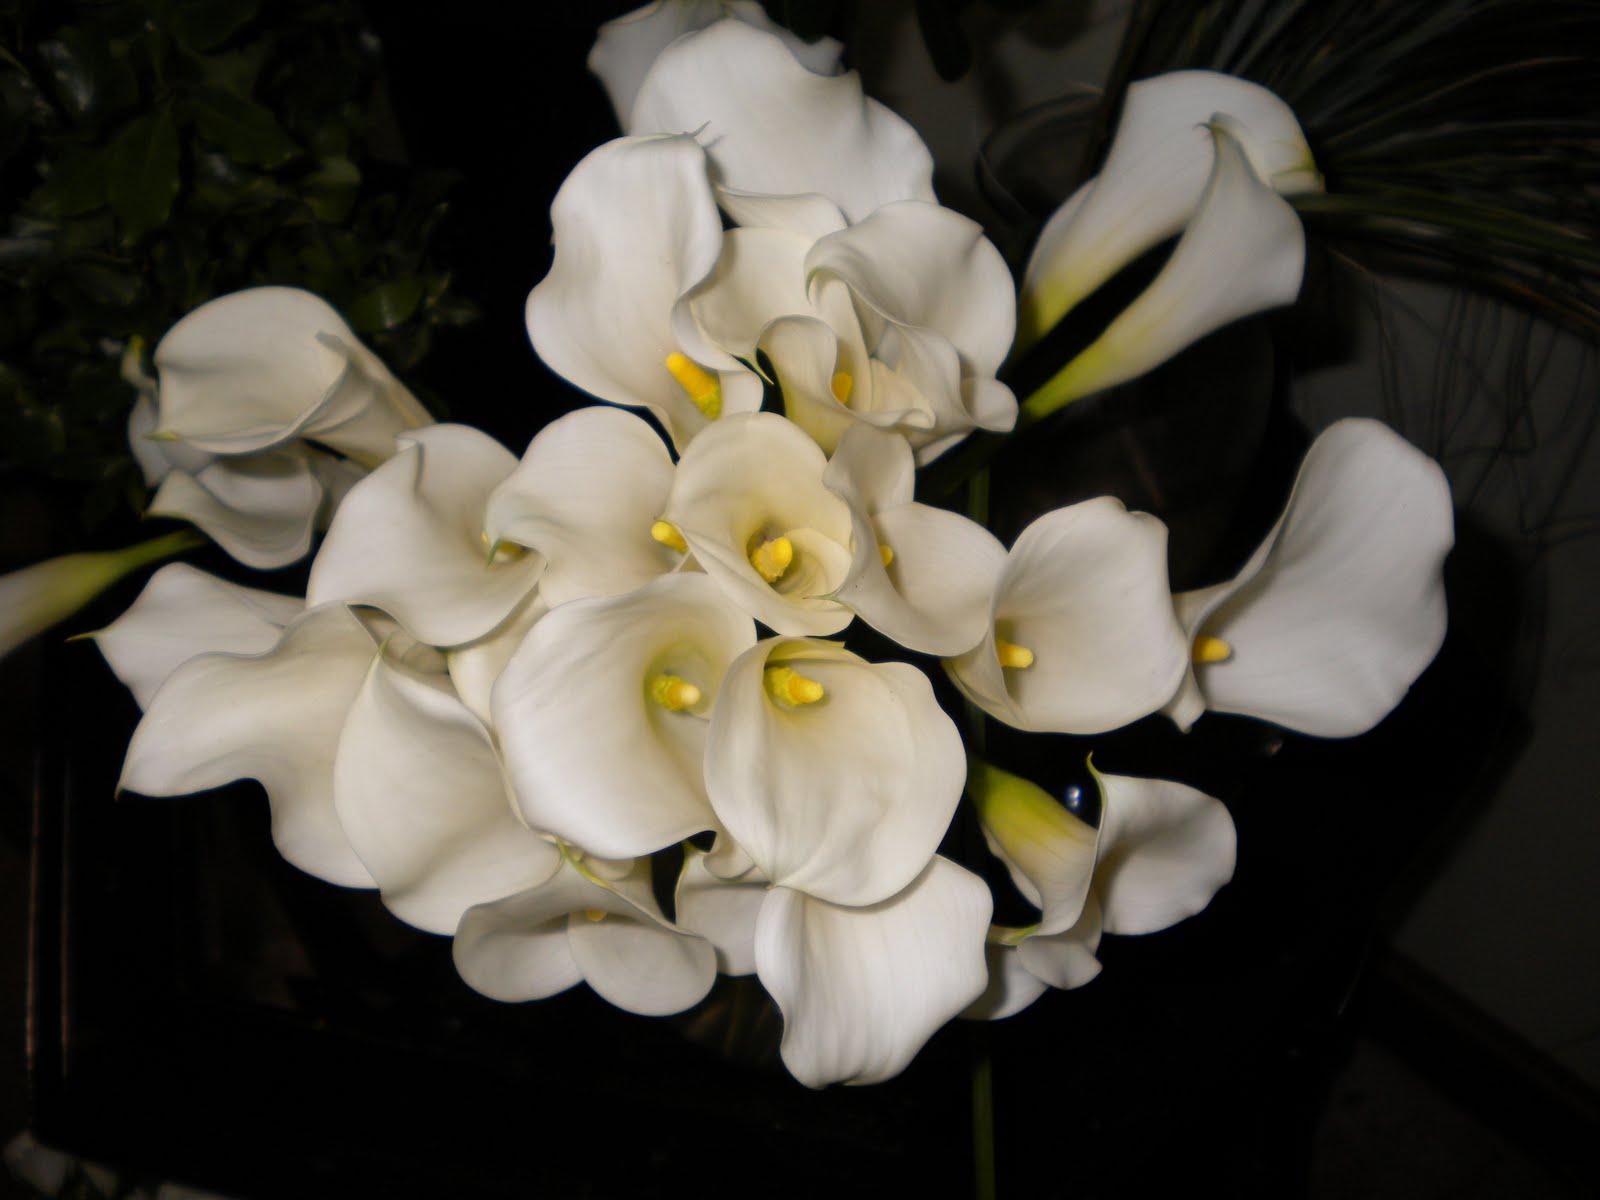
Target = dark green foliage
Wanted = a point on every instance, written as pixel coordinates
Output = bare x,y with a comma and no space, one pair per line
157,153
1460,139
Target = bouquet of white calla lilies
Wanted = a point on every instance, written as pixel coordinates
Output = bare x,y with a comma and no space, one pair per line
605,713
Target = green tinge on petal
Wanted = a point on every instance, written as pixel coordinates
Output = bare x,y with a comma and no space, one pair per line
1020,814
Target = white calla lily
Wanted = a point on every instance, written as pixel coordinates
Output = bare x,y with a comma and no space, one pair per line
723,911
257,368
601,714
1081,635
183,612
837,776
635,227
274,717
582,926
629,44
419,794
772,126
862,989
1342,606
260,508
1243,252
410,539
475,666
585,497
749,502
36,597
923,576
1154,178
1159,853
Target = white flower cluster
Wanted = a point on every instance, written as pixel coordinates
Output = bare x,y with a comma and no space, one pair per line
513,684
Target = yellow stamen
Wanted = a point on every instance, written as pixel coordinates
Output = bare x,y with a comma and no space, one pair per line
1016,657
502,552
668,534
595,914
674,694
885,553
1209,649
772,558
841,385
790,688
701,385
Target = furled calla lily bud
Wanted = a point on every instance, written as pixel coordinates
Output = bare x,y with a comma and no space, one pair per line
1081,635
1342,606
635,227
1243,252
837,776
749,502
923,576
1160,852
582,926
737,87
629,44
410,539
37,597
267,409
1153,182
602,713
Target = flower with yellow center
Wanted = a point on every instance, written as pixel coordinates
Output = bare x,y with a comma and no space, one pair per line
748,501
1081,635
837,776
602,714
1342,606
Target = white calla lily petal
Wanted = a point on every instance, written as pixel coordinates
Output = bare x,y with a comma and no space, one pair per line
474,666
759,277
1165,850
635,226
634,958
720,910
861,989
1011,988
770,125
584,497
629,44
1084,593
1243,253
1343,605
592,756
517,948
183,612
254,368
419,794
410,539
807,357
1067,959
1153,181
274,717
810,215
919,264
758,477
845,796
260,508
157,456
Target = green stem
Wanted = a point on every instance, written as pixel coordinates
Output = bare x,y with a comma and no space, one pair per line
983,1183
164,546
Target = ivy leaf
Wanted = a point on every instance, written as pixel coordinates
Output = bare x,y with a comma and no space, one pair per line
142,179
386,305
89,80
202,24
247,131
330,190
76,184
